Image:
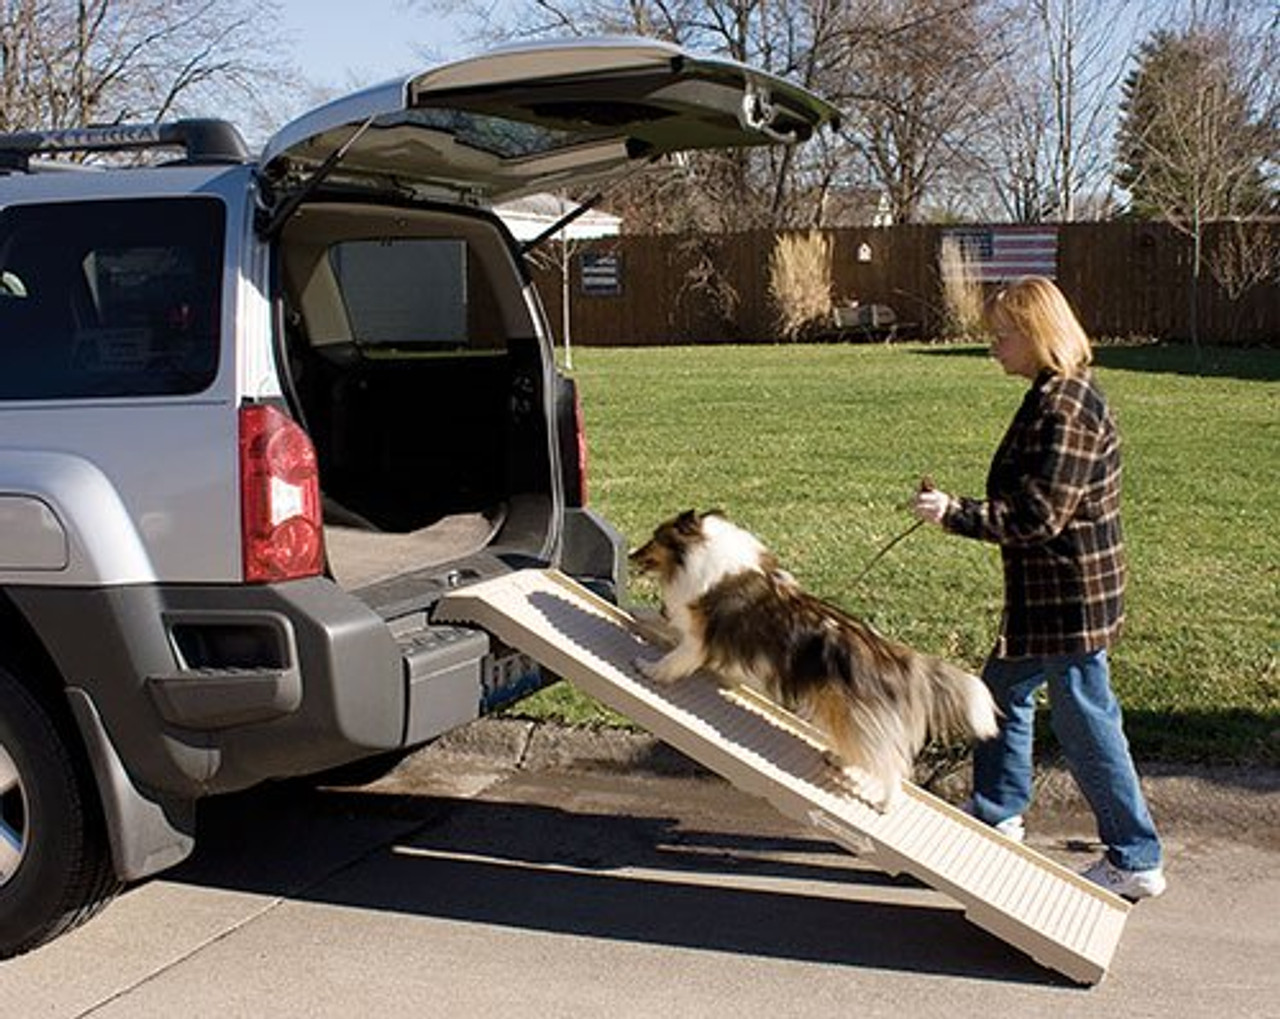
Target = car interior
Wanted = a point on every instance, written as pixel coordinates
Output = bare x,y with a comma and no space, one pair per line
414,364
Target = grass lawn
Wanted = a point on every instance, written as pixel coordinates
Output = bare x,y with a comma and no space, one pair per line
817,449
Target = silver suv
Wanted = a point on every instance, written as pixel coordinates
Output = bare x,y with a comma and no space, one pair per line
259,413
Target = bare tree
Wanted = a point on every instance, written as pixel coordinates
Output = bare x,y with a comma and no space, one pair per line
68,63
1018,146
1200,138
1056,66
1245,256
1200,132
916,95
1081,42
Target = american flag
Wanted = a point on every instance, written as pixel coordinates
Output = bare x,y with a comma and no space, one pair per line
993,254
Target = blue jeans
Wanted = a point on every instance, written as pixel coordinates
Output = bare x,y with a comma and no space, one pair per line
1087,721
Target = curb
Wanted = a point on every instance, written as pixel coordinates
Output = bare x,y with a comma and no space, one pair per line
1220,801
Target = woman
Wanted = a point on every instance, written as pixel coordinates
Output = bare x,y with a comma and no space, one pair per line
1053,507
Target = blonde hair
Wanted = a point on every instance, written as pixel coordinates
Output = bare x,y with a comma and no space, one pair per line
1036,309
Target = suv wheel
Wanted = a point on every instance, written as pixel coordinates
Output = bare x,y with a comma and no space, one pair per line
55,867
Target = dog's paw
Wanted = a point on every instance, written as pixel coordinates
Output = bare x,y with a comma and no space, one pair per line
880,793
645,666
834,761
653,669
890,796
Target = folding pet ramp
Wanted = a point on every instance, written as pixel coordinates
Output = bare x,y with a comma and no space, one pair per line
1057,917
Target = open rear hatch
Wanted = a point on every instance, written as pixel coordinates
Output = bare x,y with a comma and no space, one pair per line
538,117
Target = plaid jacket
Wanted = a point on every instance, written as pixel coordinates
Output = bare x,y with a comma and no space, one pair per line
1053,507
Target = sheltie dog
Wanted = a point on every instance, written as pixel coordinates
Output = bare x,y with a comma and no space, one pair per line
746,621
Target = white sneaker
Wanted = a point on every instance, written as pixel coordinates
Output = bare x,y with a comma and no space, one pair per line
1011,827
1130,884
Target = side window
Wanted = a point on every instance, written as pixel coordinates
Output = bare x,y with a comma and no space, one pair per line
110,299
423,293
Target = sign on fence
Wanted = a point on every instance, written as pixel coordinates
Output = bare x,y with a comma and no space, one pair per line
601,274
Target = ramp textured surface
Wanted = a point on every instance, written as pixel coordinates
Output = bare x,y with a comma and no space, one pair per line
1061,920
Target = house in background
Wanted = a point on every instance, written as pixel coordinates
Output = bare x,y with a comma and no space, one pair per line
529,216
848,206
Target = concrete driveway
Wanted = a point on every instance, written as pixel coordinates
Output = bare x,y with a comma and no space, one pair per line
532,871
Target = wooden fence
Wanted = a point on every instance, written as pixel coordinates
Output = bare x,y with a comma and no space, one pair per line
1125,279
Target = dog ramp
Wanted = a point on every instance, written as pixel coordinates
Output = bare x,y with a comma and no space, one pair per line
1049,912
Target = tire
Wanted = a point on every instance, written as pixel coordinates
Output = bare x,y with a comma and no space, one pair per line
55,863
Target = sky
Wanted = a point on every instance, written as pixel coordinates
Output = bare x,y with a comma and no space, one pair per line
344,44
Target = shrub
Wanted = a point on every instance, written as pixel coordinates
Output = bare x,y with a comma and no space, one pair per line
800,282
961,292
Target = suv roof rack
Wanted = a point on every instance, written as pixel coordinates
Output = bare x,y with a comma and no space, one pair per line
203,140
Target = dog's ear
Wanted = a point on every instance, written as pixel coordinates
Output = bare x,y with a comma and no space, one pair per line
687,522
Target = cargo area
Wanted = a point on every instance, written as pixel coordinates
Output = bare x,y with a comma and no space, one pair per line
415,364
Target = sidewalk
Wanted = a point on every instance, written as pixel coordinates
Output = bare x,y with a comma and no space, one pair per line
532,870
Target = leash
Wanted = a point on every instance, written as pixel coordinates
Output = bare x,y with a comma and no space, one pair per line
926,485
880,555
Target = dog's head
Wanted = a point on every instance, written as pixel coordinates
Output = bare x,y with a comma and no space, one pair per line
666,553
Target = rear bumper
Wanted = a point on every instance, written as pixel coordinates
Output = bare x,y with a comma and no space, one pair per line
594,553
183,691
205,689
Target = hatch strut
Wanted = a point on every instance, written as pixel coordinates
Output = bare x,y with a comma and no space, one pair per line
304,191
585,206
588,204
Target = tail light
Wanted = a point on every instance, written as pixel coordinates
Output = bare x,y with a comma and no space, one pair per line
282,532
580,434
573,441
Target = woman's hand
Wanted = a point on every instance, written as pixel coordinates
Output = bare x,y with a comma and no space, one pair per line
930,504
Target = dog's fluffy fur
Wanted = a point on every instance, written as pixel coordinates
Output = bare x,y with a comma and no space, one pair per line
745,620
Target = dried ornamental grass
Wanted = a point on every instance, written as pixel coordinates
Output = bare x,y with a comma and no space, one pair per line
800,282
961,291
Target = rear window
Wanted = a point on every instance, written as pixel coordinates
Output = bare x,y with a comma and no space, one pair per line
110,298
416,293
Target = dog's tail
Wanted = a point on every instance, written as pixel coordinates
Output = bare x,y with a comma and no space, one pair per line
959,702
